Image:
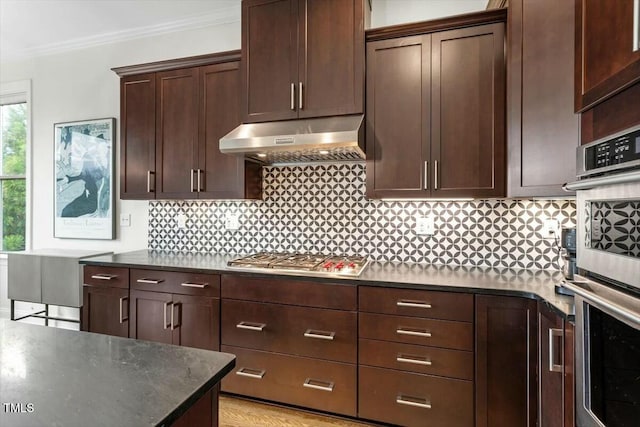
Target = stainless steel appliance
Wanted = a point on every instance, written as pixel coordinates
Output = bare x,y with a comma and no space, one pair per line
568,247
310,264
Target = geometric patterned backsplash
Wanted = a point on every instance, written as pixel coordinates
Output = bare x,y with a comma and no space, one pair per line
614,226
322,208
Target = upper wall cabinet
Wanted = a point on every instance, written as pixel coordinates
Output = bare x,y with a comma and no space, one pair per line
542,129
173,116
435,109
607,49
302,58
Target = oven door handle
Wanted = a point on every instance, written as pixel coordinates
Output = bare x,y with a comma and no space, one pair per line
625,315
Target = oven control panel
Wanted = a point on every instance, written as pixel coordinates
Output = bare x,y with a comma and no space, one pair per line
619,152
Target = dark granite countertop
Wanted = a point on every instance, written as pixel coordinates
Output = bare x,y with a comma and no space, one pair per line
72,378
537,284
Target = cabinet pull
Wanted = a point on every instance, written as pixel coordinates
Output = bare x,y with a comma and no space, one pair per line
104,276
318,385
300,105
200,180
251,326
403,331
636,25
293,96
175,324
123,319
321,335
416,360
193,189
151,281
554,333
194,285
149,189
403,401
435,174
426,174
251,373
414,304
167,325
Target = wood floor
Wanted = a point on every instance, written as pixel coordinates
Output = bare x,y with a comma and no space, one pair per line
243,413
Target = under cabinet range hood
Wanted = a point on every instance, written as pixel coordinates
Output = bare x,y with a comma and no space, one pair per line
326,139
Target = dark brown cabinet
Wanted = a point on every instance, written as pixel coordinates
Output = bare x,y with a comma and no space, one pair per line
436,112
542,129
607,55
172,121
105,307
302,58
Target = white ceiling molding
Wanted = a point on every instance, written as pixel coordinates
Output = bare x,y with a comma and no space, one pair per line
219,17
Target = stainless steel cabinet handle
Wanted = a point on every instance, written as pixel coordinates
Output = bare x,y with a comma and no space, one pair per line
167,325
251,373
554,333
193,190
402,331
293,96
402,400
300,104
123,319
200,180
151,281
318,385
194,285
104,276
174,324
321,335
426,174
149,189
251,326
414,304
636,25
413,359
435,175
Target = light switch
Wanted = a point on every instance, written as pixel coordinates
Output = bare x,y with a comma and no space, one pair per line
181,219
125,220
231,221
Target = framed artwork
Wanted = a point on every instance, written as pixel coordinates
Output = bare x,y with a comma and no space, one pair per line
84,169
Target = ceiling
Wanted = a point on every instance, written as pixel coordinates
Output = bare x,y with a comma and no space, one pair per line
38,27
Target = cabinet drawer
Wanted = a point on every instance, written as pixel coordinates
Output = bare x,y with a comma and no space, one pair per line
287,291
414,399
314,332
112,277
414,330
411,302
312,383
417,358
176,282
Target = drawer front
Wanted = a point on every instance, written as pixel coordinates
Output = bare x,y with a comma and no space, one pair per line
312,383
302,331
290,291
176,282
409,399
417,358
111,277
411,302
414,330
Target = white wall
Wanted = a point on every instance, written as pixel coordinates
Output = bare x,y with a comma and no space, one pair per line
392,12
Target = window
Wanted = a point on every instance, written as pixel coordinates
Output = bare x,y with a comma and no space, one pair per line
14,146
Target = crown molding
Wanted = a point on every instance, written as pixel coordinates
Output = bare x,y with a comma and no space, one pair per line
220,17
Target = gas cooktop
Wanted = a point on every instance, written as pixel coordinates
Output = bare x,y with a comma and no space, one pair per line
314,264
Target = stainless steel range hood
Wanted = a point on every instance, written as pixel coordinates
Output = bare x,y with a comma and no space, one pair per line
338,138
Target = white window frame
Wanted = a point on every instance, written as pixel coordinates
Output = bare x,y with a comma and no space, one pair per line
14,92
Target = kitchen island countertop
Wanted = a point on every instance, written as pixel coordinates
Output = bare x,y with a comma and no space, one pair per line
58,377
537,284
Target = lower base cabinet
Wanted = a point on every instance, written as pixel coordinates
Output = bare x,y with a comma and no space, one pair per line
411,399
311,383
203,413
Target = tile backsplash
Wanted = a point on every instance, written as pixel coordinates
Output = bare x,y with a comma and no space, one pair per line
323,208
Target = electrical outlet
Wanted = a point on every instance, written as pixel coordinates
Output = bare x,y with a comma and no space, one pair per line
425,225
125,220
181,219
551,229
231,221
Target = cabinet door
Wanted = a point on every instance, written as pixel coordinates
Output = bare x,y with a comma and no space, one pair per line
137,136
506,355
177,133
331,57
269,60
196,321
105,310
150,316
543,131
468,112
222,175
606,59
551,368
398,117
